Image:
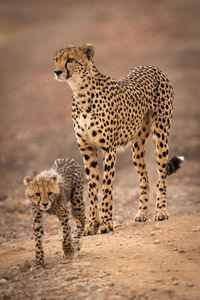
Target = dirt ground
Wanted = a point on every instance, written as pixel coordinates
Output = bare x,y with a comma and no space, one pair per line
137,261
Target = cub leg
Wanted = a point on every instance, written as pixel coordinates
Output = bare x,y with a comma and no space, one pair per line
78,209
68,249
38,232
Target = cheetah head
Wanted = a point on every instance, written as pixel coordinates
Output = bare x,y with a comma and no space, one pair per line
72,64
42,190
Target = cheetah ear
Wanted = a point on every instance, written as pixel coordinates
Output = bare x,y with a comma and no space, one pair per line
27,180
88,49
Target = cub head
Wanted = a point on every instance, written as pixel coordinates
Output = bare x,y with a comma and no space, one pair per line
42,190
73,63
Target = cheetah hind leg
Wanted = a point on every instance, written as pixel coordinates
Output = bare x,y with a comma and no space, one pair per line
138,156
160,137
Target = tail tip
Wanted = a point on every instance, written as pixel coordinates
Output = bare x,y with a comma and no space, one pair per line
174,164
182,158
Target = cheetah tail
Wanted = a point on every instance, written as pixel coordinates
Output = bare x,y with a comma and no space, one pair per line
174,164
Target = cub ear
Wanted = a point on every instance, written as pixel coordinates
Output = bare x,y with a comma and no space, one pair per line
55,178
27,180
88,49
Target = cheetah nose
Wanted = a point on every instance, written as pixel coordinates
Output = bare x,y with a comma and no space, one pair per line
45,204
58,72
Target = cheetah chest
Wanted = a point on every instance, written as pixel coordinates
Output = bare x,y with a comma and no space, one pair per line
88,128
83,126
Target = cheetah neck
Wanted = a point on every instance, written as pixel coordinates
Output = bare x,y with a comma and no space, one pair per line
85,89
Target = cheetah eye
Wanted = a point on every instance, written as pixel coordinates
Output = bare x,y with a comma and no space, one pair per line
70,60
37,194
49,193
56,60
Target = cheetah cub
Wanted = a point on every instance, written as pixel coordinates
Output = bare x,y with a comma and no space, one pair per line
50,192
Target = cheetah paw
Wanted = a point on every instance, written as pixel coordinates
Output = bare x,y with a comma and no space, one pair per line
161,215
106,227
91,228
141,217
37,266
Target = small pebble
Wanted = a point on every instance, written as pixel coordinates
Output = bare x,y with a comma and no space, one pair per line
181,251
156,242
69,278
157,227
172,278
190,284
3,280
136,256
111,284
98,244
2,240
196,228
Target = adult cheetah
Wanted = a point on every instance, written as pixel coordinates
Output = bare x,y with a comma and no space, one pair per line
111,113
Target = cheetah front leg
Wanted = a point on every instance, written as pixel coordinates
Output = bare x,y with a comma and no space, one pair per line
68,249
38,233
89,155
108,181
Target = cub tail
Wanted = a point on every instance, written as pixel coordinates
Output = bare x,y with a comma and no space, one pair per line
174,164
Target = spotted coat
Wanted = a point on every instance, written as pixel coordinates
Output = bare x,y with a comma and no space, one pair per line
109,114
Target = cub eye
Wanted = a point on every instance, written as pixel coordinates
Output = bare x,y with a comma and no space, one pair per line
49,193
37,194
56,60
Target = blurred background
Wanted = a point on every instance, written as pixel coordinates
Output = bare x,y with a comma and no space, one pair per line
36,126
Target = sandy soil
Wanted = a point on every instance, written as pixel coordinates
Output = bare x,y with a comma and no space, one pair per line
137,261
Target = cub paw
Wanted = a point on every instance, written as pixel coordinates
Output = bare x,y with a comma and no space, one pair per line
141,217
77,244
161,215
106,227
91,228
68,253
